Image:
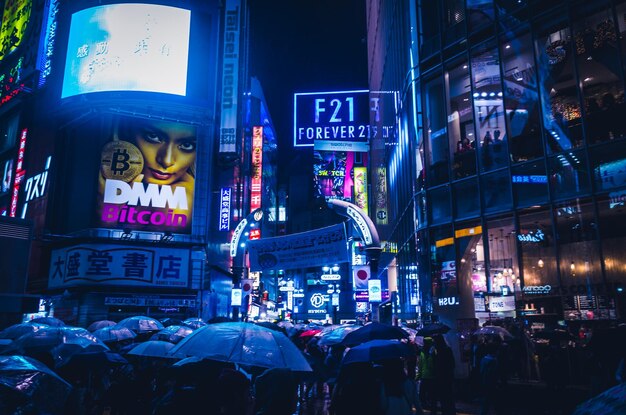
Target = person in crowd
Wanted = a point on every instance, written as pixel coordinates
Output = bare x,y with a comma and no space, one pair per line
490,379
332,363
401,396
234,393
315,356
426,374
555,373
444,376
276,392
358,391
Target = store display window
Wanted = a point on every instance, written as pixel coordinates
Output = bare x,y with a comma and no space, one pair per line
466,198
435,132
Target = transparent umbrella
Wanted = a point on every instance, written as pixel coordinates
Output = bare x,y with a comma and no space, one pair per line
152,348
140,324
494,331
173,334
337,334
17,330
242,343
100,324
50,321
195,323
114,334
32,381
45,339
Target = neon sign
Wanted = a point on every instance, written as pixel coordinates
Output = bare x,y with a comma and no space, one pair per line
19,173
225,193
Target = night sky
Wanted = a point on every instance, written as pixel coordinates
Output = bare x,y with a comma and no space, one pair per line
305,46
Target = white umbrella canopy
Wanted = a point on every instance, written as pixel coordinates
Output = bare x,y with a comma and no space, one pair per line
114,334
242,343
140,324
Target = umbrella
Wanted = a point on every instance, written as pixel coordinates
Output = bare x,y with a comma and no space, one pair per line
152,348
33,381
376,350
47,338
487,331
100,324
611,401
114,334
96,361
196,323
242,343
17,330
271,326
50,321
309,333
337,334
172,334
65,351
373,331
431,329
140,324
171,322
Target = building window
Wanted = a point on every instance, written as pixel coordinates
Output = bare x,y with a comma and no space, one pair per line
597,57
439,200
530,184
568,175
538,272
466,199
435,132
521,98
461,121
502,265
562,117
609,166
489,109
480,13
496,191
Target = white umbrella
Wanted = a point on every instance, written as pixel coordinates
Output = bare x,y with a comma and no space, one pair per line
140,324
242,343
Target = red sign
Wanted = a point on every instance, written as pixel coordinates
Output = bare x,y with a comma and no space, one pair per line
255,234
257,168
19,173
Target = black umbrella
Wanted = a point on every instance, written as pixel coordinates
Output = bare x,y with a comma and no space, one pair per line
91,362
271,326
373,331
377,350
34,382
431,329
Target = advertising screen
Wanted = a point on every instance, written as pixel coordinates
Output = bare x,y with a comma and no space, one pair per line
331,174
147,176
127,47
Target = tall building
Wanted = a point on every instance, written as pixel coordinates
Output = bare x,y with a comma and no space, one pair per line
507,174
116,122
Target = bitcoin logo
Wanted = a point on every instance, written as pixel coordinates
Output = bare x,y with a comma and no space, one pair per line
121,160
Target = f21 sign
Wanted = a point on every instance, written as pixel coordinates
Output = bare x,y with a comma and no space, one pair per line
333,121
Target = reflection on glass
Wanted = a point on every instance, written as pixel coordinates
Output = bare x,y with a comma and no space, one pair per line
466,200
597,57
609,166
440,204
502,265
568,174
489,110
461,121
530,184
559,97
521,96
480,13
536,244
435,132
496,190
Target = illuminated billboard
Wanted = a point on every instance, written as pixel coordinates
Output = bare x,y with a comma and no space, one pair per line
331,174
15,17
256,185
360,188
332,121
147,176
127,47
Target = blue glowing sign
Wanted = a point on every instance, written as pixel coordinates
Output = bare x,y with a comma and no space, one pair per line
333,121
225,209
541,179
127,47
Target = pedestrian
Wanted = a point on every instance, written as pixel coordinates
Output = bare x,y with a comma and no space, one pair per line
426,374
400,392
358,391
276,392
332,363
234,393
444,376
490,379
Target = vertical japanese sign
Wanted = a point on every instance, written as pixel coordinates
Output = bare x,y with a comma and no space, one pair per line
256,183
381,196
230,78
112,265
19,173
224,223
46,47
360,188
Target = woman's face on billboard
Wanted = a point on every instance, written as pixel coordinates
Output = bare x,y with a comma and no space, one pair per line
169,150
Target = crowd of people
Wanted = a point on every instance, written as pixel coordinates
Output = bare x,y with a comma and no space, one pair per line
419,382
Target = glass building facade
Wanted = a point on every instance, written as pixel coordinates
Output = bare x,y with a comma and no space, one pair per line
512,113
